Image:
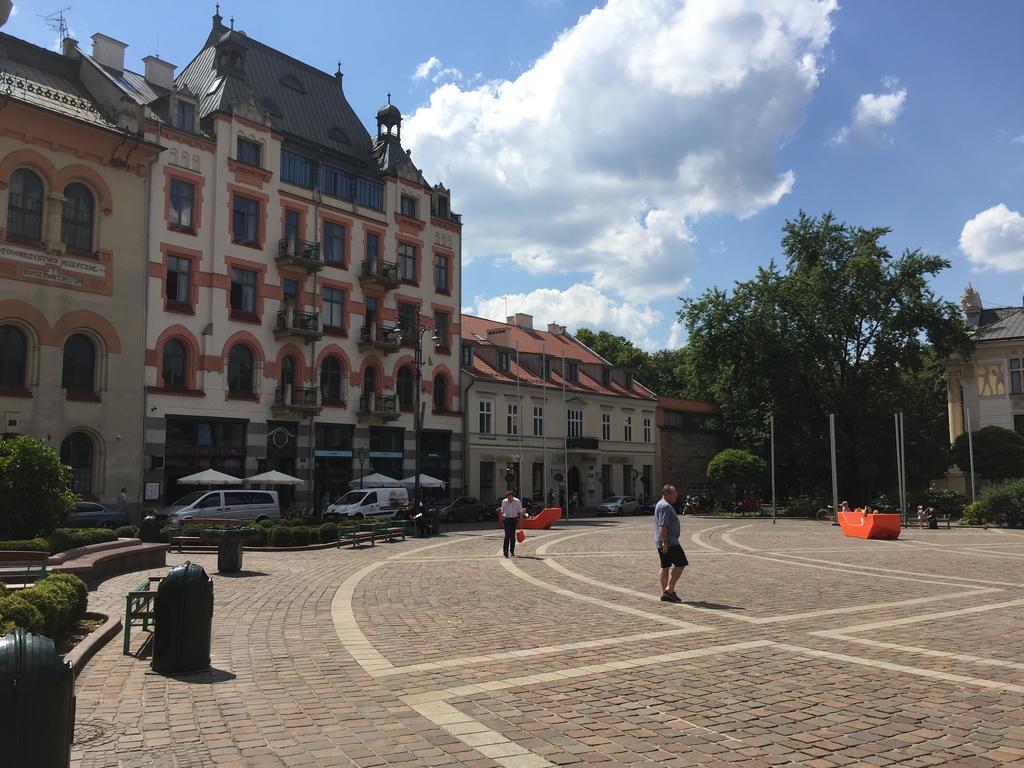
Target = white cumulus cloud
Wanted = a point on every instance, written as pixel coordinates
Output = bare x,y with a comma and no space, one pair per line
433,70
994,239
872,114
579,306
641,118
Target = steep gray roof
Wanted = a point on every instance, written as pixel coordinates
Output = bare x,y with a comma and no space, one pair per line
48,80
1000,324
302,101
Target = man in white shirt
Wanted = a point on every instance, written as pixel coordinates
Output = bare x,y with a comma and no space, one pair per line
511,511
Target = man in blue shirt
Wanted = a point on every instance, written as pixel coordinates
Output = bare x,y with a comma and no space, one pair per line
666,539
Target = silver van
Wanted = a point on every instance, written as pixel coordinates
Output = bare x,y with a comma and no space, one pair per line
370,502
224,505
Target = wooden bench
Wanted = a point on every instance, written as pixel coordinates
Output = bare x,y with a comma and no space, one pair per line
19,568
356,537
191,541
140,608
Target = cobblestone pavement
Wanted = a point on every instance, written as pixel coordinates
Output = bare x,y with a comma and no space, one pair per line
793,646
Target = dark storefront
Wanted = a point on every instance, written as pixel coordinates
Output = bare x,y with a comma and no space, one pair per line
282,450
334,468
435,460
194,444
387,450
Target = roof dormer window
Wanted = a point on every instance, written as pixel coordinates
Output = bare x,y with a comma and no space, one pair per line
572,372
248,152
503,361
441,204
409,206
184,115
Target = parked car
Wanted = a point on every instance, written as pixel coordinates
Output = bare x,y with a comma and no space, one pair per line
463,509
223,505
88,514
619,505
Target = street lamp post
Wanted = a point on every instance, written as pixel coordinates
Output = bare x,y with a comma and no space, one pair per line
361,458
418,422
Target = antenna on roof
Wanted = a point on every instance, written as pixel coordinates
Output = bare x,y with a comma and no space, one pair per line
57,22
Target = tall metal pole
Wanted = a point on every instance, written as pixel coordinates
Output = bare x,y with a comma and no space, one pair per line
835,475
543,418
417,365
899,463
565,444
970,451
772,422
520,419
903,464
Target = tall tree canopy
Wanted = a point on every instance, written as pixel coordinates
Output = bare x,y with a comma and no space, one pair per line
665,372
847,329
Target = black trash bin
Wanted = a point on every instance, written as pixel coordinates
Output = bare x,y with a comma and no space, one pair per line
149,529
37,702
933,523
421,524
184,620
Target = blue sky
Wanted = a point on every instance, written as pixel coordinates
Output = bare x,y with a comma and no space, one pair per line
610,158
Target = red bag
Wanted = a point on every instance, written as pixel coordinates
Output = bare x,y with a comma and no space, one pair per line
520,535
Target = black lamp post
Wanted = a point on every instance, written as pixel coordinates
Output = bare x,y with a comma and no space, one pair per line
418,421
361,458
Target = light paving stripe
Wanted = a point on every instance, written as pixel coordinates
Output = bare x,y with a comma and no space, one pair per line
543,548
917,671
776,619
924,617
696,538
525,653
347,627
979,660
518,573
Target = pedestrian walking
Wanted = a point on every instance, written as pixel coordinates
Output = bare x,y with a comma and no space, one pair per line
511,509
122,502
666,539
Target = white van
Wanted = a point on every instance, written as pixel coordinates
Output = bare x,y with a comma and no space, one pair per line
224,505
369,502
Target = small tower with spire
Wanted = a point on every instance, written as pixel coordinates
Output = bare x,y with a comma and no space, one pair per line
389,117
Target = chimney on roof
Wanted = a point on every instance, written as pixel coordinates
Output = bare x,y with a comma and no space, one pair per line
555,329
69,47
159,72
108,52
970,303
521,320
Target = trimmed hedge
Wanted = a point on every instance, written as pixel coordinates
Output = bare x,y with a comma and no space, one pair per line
25,545
64,539
281,536
52,606
328,532
127,532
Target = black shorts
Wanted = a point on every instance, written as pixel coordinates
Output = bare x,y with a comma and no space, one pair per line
674,557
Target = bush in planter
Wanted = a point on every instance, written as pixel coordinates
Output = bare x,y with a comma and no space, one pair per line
25,545
302,535
35,488
77,587
14,608
328,533
281,536
64,539
999,504
166,532
127,532
266,524
56,602
190,530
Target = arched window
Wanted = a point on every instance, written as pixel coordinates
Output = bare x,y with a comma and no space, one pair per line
240,370
76,451
13,356
25,205
79,375
370,381
175,365
404,386
440,393
288,372
330,380
76,218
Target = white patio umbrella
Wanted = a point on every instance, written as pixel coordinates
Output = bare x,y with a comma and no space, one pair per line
426,481
209,477
376,480
273,477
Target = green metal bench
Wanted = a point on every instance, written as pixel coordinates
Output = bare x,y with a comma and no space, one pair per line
356,536
18,567
140,608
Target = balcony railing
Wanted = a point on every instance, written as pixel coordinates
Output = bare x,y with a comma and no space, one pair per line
378,406
305,325
583,443
380,337
304,399
301,253
382,273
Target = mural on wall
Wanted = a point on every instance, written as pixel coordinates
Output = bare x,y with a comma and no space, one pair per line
990,380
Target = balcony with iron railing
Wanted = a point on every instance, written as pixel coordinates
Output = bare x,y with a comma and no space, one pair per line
582,443
377,407
380,337
383,274
296,400
299,253
297,324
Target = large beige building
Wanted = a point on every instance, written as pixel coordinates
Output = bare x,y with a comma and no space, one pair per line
551,413
74,181
293,261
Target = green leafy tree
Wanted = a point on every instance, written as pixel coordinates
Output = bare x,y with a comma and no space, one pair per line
665,372
844,328
35,488
736,467
998,453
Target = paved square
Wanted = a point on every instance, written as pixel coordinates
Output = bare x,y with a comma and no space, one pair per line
793,646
